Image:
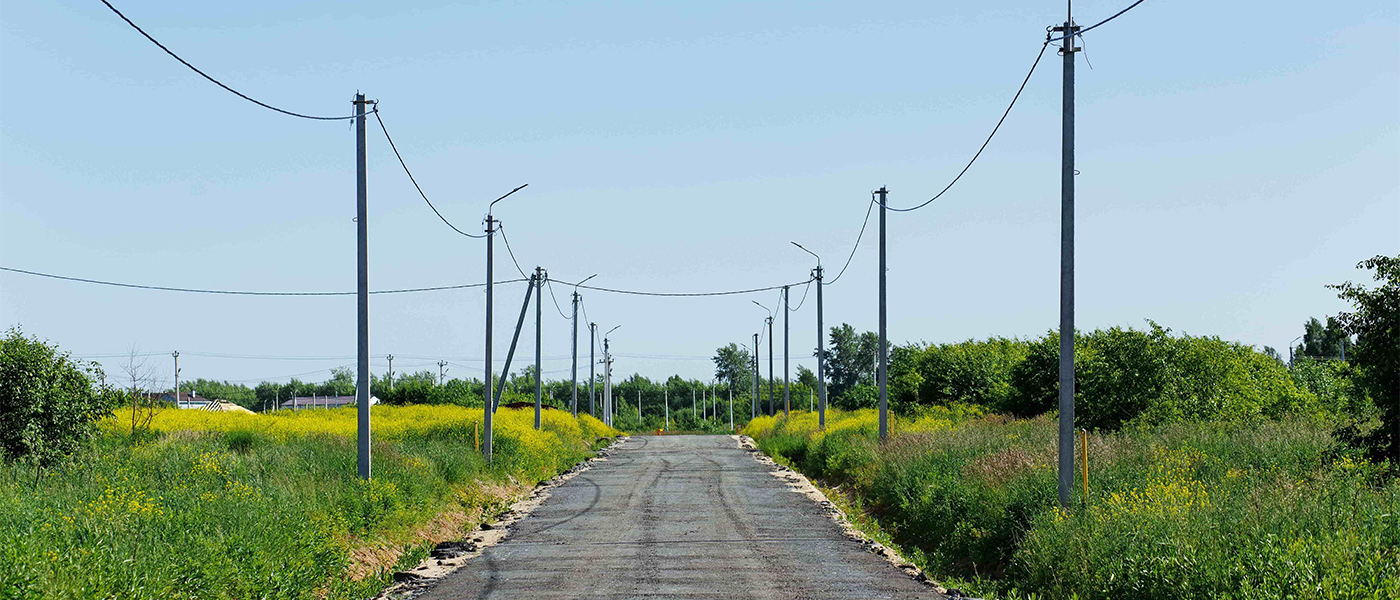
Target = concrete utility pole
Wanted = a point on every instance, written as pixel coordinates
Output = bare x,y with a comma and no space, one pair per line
753,406
592,362
694,408
821,343
882,365
442,371
488,393
666,397
515,339
787,322
539,379
607,384
731,408
771,410
391,372
573,379
176,354
639,407
362,441
608,406
1066,458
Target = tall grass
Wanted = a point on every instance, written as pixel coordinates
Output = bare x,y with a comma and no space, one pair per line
219,505
1267,510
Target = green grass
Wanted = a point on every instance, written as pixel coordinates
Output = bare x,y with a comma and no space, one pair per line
1263,510
243,509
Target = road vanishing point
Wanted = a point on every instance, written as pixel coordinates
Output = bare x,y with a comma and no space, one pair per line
678,517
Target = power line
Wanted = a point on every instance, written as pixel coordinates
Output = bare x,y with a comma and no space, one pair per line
868,209
248,293
215,81
689,294
550,282
294,375
415,181
1086,29
984,143
502,229
805,290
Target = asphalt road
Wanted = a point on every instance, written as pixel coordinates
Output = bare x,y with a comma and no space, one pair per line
678,517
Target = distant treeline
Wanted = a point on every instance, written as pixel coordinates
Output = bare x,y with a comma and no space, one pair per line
1122,375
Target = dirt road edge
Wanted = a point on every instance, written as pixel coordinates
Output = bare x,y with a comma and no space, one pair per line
799,483
447,557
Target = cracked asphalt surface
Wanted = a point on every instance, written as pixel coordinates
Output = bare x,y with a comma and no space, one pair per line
678,517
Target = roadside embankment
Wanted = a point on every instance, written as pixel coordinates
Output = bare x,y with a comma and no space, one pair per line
1245,510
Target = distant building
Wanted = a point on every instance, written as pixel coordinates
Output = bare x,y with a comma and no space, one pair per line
193,401
301,402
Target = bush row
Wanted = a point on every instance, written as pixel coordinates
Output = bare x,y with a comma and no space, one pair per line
1121,375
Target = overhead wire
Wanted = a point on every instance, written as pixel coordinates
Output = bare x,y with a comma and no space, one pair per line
502,229
1087,29
689,294
163,288
984,143
805,291
870,208
292,376
215,81
395,148
550,282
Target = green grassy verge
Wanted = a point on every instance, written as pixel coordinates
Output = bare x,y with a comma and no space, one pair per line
266,506
1259,510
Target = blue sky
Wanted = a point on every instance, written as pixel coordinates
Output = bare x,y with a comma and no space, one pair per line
1233,161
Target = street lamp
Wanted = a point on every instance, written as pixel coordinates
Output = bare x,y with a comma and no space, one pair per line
607,378
769,322
821,344
573,378
490,292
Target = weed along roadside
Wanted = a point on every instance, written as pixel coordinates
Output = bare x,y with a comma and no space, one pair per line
238,505
1210,509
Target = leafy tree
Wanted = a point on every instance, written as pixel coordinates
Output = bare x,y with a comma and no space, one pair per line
48,404
850,359
1125,375
1333,382
239,394
806,377
976,372
1323,342
905,378
732,366
1376,325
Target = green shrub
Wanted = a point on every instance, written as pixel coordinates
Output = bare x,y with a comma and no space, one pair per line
48,404
1125,375
976,372
1333,383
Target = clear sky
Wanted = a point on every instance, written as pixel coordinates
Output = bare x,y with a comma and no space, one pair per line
1234,158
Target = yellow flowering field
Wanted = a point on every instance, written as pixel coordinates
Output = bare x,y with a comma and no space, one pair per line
237,505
